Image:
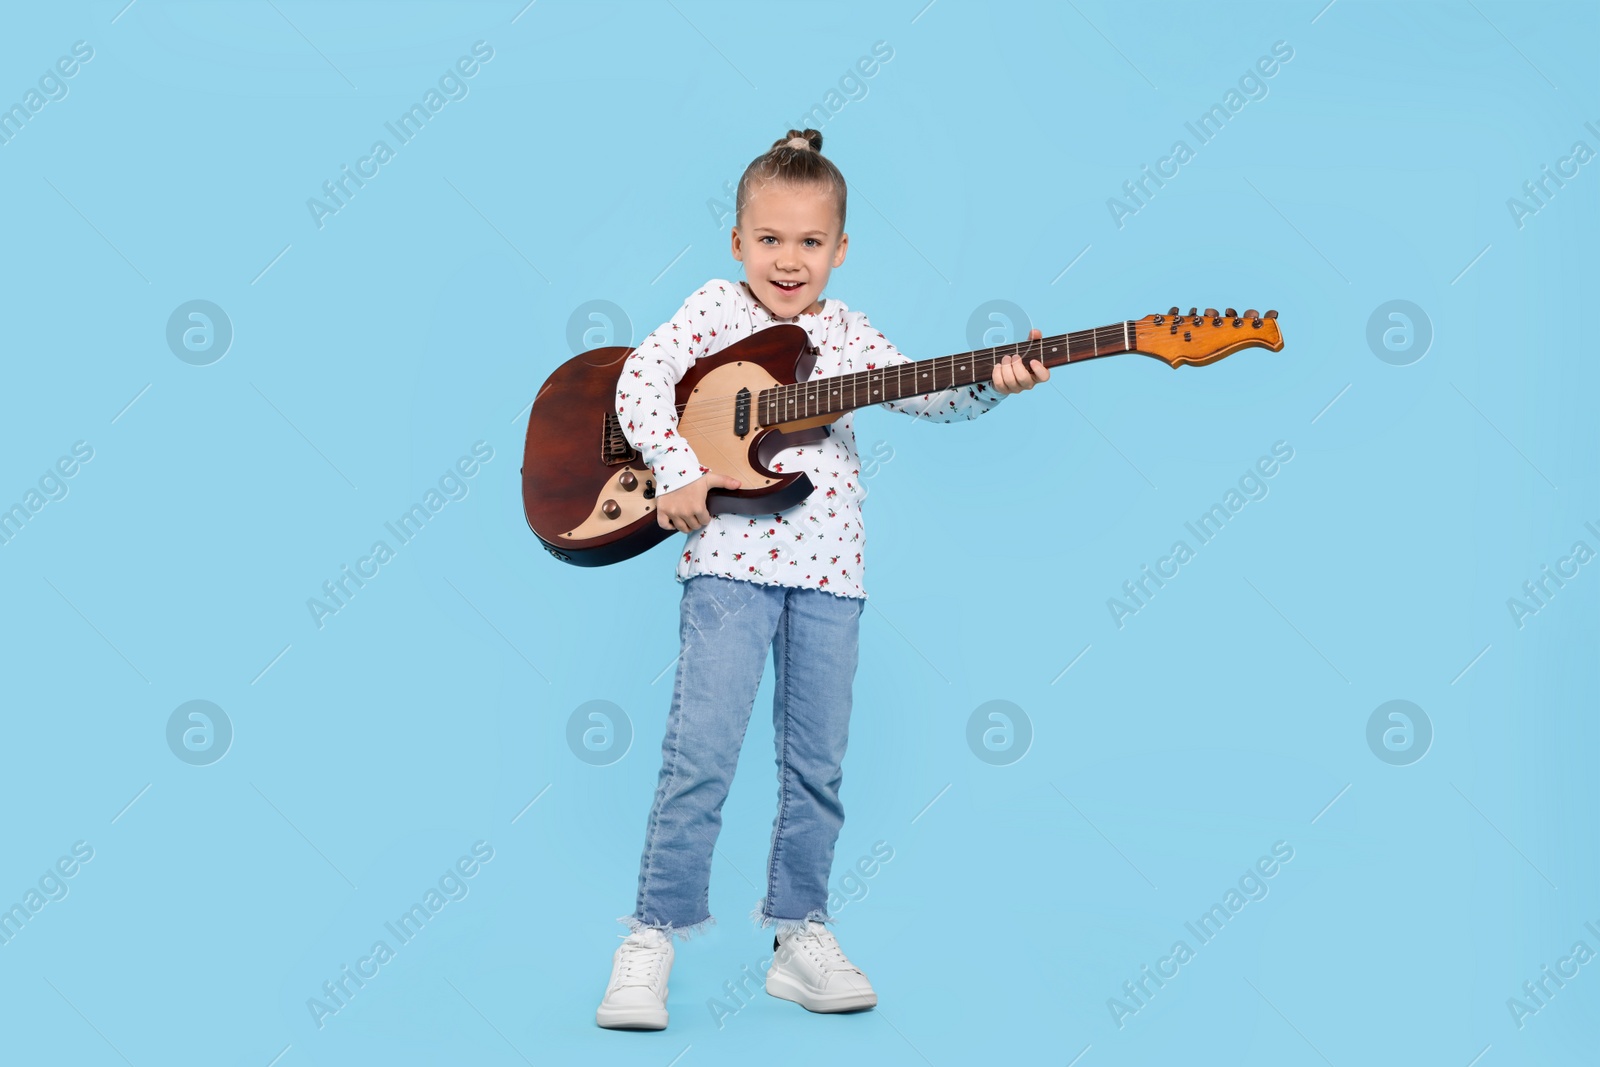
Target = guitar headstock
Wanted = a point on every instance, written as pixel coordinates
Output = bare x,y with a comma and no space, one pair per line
1199,339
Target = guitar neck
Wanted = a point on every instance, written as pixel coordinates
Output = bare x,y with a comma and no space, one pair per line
847,392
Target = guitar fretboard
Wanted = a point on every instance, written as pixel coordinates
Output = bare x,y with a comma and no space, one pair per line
846,392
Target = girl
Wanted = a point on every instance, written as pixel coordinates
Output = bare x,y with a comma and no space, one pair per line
790,581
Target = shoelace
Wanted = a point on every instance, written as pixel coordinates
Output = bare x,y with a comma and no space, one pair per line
824,947
640,964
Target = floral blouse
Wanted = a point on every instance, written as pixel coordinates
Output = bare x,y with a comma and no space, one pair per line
818,543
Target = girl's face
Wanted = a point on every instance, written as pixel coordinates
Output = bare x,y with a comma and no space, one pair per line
789,243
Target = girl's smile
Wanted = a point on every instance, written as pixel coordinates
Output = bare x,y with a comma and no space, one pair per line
789,243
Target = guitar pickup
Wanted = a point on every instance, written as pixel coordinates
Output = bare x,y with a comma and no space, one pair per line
741,412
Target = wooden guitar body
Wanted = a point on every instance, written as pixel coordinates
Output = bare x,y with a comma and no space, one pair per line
588,495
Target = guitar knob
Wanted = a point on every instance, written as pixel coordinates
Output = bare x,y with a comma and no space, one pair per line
1270,315
1193,312
1211,313
1173,312
628,481
1232,314
1250,314
610,509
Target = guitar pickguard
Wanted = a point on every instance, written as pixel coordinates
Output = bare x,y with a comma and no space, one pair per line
707,423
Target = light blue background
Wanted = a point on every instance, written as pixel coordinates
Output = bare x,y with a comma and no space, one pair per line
371,353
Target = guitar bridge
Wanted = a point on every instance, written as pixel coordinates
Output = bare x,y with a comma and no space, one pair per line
614,446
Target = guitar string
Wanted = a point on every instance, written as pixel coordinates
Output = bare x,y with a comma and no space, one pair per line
719,420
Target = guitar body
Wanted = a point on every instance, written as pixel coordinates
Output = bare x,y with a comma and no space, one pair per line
588,495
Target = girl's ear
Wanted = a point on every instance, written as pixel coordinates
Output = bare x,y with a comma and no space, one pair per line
838,254
738,254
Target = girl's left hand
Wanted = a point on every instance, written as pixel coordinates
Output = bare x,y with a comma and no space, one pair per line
1013,375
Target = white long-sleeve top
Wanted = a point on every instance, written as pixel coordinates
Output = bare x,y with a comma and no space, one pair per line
819,542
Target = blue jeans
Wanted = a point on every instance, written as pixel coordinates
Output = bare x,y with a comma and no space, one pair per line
725,629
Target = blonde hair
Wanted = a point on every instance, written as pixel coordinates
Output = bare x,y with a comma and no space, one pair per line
795,159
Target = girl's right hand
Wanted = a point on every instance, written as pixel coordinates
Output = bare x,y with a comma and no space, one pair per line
684,509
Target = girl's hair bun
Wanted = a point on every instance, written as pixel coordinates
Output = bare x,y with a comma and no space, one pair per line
812,139
795,159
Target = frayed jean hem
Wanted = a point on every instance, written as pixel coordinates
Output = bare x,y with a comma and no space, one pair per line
682,933
784,927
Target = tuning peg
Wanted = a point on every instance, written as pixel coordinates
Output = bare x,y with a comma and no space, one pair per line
1211,313
1193,312
1270,315
1173,310
1250,314
1232,314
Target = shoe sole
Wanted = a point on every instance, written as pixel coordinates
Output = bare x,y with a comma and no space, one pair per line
785,988
631,1018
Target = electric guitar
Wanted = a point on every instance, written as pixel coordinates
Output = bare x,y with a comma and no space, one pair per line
590,498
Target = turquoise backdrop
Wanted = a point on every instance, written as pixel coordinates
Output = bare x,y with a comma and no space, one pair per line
1342,748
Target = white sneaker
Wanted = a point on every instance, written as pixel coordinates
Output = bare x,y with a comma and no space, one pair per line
810,969
636,999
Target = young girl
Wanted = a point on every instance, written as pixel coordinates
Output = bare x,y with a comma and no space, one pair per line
791,581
